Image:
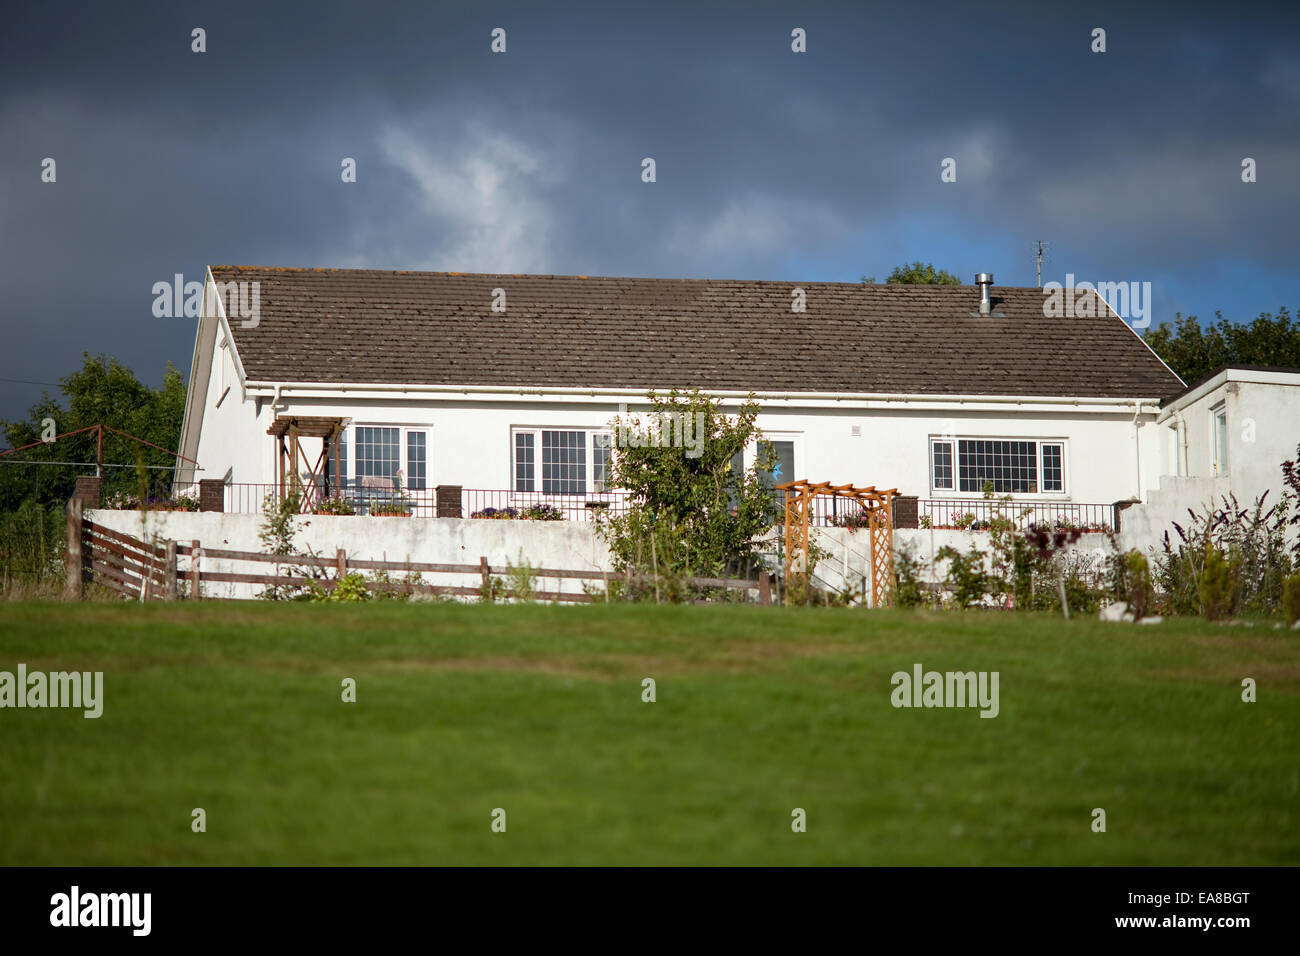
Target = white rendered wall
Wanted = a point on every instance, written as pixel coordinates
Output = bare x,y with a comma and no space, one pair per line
565,545
1263,430
470,439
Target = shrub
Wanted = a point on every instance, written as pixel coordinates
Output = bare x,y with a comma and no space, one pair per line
122,501
498,514
966,577
382,577
543,513
1218,586
349,589
125,501
853,522
522,580
909,590
31,543
1254,536
540,512
277,534
1131,582
690,512
1291,598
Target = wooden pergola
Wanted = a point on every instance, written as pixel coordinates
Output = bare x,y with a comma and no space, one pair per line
877,505
291,458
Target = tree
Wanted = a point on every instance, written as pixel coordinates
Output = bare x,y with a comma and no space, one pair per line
693,511
102,391
1195,353
918,273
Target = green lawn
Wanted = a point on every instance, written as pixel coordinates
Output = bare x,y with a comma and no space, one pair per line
235,708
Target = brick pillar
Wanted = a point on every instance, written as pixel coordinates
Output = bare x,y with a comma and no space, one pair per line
88,491
906,512
448,501
212,494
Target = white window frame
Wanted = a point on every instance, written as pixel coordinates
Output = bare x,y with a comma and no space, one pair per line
403,459
1220,462
536,492
1039,441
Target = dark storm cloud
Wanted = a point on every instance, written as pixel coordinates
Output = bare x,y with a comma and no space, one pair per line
822,165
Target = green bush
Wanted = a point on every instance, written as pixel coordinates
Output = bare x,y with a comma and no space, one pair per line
350,588
1291,598
909,590
966,577
522,579
1218,586
690,513
32,542
1134,587
1254,536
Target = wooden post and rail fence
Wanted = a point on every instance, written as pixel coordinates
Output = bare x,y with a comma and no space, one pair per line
152,570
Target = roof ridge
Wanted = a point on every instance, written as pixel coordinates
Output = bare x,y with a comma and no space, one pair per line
309,270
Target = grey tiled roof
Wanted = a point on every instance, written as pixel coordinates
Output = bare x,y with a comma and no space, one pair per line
438,328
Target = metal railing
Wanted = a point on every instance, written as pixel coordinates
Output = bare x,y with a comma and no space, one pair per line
491,502
381,497
966,514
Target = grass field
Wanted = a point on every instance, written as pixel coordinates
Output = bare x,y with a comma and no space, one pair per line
236,708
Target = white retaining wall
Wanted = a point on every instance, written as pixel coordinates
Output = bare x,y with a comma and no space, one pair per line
1089,551
566,545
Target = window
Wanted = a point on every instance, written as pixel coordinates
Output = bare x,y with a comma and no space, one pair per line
1012,466
601,461
782,468
415,460
1053,468
564,457
1220,439
378,452
524,461
564,462
942,451
382,452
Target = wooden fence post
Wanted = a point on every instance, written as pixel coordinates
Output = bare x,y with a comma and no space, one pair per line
72,557
194,570
764,588
341,562
486,570
169,569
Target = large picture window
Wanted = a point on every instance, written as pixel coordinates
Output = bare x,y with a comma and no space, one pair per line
381,452
564,462
558,461
1011,465
378,451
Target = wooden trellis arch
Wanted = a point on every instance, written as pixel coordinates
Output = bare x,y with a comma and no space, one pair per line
875,502
292,459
